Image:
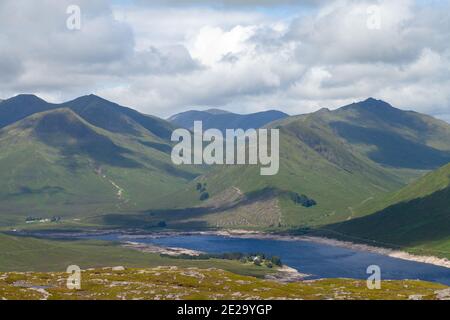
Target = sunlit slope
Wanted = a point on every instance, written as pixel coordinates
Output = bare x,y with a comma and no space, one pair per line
313,163
56,164
171,283
344,160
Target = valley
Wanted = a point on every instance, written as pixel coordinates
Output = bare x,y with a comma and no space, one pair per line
101,167
224,150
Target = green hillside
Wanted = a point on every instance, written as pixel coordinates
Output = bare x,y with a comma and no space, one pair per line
313,162
55,163
344,160
390,136
108,165
115,118
93,109
416,217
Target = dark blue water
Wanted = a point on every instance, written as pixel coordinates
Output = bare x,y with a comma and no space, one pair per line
318,260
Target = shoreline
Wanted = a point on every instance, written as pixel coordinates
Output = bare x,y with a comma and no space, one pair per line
393,253
170,251
283,274
246,234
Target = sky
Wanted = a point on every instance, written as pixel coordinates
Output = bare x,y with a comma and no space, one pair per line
162,57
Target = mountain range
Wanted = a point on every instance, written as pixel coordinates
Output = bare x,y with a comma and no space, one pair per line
222,120
83,157
357,170
327,155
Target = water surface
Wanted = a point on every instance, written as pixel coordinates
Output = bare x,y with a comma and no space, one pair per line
317,259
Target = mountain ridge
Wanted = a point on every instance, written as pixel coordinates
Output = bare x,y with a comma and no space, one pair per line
94,109
222,120
92,144
390,137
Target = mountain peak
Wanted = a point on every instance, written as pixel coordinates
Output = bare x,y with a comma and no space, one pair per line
20,107
217,111
371,105
91,97
372,102
323,110
94,96
89,101
274,111
26,98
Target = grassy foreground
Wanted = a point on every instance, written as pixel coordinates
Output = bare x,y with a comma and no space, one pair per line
21,254
193,283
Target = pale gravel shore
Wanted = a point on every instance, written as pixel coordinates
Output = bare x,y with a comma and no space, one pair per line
287,274
442,262
170,251
284,274
246,234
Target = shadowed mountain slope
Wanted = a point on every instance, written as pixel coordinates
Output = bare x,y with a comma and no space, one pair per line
115,118
20,107
222,120
390,136
97,111
417,217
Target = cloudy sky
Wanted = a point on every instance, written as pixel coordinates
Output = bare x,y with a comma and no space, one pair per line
165,56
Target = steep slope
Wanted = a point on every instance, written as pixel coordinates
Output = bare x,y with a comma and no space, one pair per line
95,110
94,157
416,217
313,163
389,136
55,163
223,120
115,118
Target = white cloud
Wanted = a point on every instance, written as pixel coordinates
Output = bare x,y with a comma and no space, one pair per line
212,44
164,58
